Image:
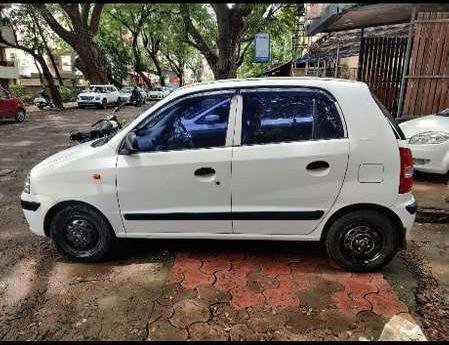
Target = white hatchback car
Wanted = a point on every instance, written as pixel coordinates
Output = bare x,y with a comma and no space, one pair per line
305,159
428,137
99,96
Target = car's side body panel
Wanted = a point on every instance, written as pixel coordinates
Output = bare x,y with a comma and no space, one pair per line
370,140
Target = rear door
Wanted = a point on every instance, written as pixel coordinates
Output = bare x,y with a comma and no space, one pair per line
290,160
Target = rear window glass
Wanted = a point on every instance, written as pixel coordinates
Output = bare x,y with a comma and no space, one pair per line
393,124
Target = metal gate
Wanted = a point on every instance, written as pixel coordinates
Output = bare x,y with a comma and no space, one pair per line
381,61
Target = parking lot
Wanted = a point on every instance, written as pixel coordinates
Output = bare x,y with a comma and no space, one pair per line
160,289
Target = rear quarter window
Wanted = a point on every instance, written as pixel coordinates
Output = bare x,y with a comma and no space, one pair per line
398,133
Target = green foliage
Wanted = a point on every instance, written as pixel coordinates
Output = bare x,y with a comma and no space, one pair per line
65,92
114,46
282,28
20,92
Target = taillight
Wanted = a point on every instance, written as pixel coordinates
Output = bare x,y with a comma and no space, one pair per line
406,177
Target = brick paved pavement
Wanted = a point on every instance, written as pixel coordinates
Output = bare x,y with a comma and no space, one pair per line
257,296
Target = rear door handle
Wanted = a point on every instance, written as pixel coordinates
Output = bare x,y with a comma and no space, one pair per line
204,172
317,165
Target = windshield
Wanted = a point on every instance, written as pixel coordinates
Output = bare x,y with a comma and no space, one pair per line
444,112
97,89
157,89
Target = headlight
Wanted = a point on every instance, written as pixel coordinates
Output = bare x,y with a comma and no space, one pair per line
431,137
26,188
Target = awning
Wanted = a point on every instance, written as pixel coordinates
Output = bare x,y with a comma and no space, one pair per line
338,17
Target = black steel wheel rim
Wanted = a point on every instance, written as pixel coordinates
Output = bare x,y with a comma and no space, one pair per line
362,243
80,234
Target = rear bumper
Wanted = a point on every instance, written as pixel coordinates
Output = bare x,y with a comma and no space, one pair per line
406,208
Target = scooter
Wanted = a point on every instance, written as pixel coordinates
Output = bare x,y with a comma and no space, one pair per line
105,127
41,103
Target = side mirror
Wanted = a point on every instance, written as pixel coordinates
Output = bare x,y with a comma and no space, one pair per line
130,144
212,118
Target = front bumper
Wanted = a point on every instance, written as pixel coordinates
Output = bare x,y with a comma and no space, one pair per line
34,208
431,158
89,103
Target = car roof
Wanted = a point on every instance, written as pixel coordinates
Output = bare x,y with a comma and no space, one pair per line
325,83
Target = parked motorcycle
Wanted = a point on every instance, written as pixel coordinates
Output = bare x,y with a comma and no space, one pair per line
105,127
41,103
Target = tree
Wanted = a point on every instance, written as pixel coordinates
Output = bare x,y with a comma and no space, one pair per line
133,17
115,47
82,22
23,22
225,39
283,27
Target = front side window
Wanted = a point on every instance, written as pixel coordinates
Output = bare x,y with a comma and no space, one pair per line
286,116
191,123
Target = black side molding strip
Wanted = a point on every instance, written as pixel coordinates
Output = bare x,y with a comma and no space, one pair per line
29,205
300,215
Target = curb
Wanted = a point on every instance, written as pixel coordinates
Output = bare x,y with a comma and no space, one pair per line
432,215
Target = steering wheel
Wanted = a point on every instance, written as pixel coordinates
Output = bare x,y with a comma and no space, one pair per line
187,137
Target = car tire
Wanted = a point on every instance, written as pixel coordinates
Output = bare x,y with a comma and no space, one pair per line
104,104
362,241
81,233
20,115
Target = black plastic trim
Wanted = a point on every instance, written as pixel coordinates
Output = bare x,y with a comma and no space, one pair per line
412,208
30,205
302,215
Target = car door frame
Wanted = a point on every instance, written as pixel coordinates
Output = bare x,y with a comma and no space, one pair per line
220,216
274,215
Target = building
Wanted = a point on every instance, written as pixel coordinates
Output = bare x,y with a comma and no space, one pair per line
9,71
398,49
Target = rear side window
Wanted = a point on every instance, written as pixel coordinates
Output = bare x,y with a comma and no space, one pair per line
398,133
286,116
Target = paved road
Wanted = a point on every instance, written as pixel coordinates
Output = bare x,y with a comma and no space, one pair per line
175,289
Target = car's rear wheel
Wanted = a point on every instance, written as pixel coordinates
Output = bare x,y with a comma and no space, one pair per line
362,241
21,115
81,233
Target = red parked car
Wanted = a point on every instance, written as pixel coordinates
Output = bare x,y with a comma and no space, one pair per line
11,107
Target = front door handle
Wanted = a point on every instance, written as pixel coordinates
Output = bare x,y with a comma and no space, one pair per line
317,165
204,172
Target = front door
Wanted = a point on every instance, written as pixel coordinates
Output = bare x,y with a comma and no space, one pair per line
7,104
180,178
291,162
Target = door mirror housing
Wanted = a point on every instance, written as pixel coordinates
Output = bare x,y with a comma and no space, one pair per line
130,144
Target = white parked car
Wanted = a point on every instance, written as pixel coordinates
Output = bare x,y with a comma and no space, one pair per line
292,159
158,93
126,92
428,138
99,96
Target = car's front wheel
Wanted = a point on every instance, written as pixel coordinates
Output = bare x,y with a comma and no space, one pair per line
362,241
21,115
104,104
81,233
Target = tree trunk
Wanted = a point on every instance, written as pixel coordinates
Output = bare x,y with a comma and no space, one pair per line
138,61
54,92
88,62
41,79
49,53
